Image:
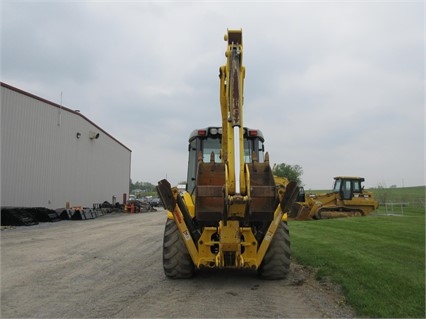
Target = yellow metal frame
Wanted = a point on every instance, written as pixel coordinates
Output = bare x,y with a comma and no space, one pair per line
249,254
229,245
230,116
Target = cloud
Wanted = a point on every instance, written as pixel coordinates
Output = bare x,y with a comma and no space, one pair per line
336,87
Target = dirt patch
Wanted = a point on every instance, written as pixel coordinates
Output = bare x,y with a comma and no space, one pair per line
323,294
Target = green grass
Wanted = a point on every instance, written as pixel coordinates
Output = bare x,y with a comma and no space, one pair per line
378,260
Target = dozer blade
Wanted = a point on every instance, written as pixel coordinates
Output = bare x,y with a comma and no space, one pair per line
299,212
304,213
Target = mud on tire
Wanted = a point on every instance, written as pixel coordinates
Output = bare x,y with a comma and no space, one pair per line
177,262
276,263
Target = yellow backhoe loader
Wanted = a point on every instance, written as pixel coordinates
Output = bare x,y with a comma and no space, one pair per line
347,199
232,215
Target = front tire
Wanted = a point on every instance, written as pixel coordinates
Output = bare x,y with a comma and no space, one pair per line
276,263
177,262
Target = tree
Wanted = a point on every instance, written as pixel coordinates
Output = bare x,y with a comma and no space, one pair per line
291,172
142,187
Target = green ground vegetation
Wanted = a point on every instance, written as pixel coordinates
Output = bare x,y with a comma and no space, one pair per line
378,260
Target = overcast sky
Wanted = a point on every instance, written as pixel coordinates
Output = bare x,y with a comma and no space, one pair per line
336,87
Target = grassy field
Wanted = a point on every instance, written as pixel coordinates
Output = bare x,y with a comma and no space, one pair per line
379,260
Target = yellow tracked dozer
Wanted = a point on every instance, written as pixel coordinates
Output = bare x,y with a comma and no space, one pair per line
347,199
231,215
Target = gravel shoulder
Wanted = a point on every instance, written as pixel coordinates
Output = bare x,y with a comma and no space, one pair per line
111,267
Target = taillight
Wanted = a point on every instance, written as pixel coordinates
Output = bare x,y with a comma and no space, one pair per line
252,133
202,132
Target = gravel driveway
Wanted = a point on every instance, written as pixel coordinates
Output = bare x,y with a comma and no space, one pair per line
111,267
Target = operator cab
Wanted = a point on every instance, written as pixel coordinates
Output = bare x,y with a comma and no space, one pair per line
347,186
208,140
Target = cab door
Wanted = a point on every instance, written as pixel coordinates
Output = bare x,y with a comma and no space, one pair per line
346,190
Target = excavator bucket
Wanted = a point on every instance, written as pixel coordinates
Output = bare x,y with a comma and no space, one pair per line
210,199
210,196
262,191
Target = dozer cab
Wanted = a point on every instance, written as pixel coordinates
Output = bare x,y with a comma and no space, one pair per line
231,215
347,199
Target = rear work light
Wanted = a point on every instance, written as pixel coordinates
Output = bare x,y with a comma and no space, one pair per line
213,131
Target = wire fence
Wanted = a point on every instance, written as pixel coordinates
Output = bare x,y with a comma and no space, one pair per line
398,207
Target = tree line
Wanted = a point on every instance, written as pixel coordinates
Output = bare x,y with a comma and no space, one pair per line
291,172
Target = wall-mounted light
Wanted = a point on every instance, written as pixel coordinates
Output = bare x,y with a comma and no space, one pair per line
93,135
78,135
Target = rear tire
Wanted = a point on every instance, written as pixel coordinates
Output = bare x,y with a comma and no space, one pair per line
177,262
276,263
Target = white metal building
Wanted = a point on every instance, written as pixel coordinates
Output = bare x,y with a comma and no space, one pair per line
51,155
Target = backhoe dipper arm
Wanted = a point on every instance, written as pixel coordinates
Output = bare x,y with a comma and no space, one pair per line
231,101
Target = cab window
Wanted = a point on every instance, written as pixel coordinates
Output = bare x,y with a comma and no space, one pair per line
211,145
